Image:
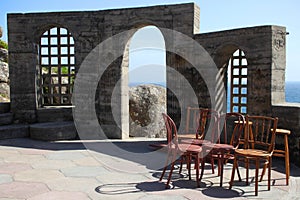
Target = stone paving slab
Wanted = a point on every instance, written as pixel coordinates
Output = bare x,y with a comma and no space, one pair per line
11,168
55,195
5,178
84,171
73,184
35,170
22,190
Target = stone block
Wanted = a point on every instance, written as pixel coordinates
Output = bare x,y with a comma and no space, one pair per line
54,114
4,107
14,131
52,131
6,118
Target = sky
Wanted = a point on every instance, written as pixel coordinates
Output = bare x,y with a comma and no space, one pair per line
215,15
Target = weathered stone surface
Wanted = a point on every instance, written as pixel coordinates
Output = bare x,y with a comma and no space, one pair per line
3,55
53,131
4,76
54,114
4,91
14,131
146,105
4,107
6,118
264,48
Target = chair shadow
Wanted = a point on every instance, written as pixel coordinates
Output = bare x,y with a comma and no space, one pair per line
175,175
221,192
154,186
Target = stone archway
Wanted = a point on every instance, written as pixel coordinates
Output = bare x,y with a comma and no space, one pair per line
147,83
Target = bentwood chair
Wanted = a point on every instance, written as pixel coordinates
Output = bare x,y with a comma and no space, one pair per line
225,141
207,123
262,130
179,150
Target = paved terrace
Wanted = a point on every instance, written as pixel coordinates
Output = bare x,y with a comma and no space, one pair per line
37,170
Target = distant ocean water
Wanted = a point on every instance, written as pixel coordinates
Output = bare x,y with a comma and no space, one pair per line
292,90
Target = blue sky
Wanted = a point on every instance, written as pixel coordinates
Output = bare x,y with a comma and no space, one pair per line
214,15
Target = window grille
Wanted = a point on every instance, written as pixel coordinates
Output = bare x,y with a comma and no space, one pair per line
237,76
57,67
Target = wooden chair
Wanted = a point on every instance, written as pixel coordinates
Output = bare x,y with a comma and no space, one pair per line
179,150
207,122
225,141
263,130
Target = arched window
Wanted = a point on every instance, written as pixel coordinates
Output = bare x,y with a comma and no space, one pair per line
57,67
237,82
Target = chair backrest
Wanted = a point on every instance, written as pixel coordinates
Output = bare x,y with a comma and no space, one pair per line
172,137
261,131
207,124
231,128
192,115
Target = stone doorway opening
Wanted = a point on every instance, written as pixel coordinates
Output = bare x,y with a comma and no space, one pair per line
147,83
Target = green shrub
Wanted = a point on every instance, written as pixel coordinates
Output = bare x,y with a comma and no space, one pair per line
3,44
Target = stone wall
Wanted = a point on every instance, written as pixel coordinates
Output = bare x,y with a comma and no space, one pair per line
88,28
264,47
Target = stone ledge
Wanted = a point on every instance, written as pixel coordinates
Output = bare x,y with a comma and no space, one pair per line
51,131
4,107
6,118
14,131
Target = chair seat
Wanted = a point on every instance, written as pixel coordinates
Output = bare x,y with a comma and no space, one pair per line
189,148
252,153
186,136
195,141
226,147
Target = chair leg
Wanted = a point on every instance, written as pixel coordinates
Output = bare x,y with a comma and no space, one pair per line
202,168
165,167
221,169
183,157
256,176
238,171
287,159
269,173
247,171
232,173
189,160
212,165
171,170
197,170
263,172
219,165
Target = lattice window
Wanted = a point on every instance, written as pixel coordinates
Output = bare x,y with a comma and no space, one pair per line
57,67
237,75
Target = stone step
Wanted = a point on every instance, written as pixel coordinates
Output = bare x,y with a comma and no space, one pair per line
14,131
4,107
51,131
6,118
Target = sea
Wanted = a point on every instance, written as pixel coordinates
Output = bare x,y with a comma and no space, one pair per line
292,90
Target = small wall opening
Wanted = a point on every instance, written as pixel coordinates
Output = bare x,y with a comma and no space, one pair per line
147,83
57,67
237,83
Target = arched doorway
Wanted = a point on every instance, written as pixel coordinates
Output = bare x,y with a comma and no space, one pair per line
147,83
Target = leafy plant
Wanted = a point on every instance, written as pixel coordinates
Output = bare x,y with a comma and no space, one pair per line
3,44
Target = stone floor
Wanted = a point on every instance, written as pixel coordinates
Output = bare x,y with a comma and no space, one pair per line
76,170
